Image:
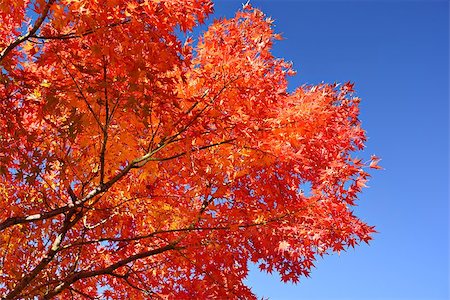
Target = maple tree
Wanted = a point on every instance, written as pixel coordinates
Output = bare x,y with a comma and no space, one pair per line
134,164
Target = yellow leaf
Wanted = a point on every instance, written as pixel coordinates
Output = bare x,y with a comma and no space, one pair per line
45,83
28,46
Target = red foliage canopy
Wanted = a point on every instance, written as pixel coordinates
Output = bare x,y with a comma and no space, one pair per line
135,165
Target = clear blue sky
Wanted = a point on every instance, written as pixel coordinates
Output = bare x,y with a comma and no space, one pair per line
397,53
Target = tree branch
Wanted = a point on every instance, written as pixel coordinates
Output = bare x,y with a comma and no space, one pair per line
74,35
94,192
81,93
68,223
108,270
186,229
193,149
30,33
32,218
105,128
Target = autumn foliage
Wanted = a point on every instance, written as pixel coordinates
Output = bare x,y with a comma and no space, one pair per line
138,163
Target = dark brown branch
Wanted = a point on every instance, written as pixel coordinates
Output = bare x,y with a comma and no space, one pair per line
30,33
110,269
68,223
126,278
186,229
32,218
201,111
192,150
74,35
105,128
81,93
72,210
82,294
96,191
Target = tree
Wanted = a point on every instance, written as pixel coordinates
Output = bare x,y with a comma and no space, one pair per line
134,164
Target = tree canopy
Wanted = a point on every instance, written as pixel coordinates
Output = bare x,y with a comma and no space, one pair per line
135,163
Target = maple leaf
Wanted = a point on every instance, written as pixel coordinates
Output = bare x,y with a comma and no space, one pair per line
374,160
283,246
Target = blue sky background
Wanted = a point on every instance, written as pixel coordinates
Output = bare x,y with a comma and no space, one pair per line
397,53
